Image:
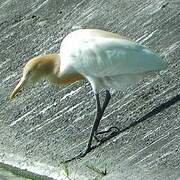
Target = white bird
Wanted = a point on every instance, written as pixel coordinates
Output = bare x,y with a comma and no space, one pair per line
107,60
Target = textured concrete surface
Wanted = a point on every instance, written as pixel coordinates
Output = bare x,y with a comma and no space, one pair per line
48,124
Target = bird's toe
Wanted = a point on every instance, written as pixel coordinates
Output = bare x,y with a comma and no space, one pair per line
104,135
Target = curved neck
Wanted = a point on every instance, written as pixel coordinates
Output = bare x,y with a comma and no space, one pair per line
66,78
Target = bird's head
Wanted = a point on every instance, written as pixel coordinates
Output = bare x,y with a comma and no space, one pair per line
37,68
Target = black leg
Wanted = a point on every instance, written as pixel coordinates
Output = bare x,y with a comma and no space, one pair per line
105,104
106,101
94,133
97,119
95,124
111,129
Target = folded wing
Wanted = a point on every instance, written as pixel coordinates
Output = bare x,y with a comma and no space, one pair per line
109,57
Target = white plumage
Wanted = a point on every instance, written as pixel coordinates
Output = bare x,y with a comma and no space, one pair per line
107,61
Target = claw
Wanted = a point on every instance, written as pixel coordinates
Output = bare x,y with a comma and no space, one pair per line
81,154
101,139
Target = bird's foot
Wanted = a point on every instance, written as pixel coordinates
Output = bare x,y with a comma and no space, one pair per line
81,154
102,136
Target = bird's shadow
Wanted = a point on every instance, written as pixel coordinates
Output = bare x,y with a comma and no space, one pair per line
133,124
153,112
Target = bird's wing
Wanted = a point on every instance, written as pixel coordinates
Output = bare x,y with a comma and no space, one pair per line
101,56
96,33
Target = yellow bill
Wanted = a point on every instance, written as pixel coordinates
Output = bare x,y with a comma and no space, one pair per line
18,88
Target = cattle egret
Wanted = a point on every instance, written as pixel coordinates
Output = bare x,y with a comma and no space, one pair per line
107,60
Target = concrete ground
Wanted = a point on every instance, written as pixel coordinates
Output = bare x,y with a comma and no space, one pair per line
46,124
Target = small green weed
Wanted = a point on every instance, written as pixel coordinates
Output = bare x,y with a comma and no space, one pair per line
97,170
